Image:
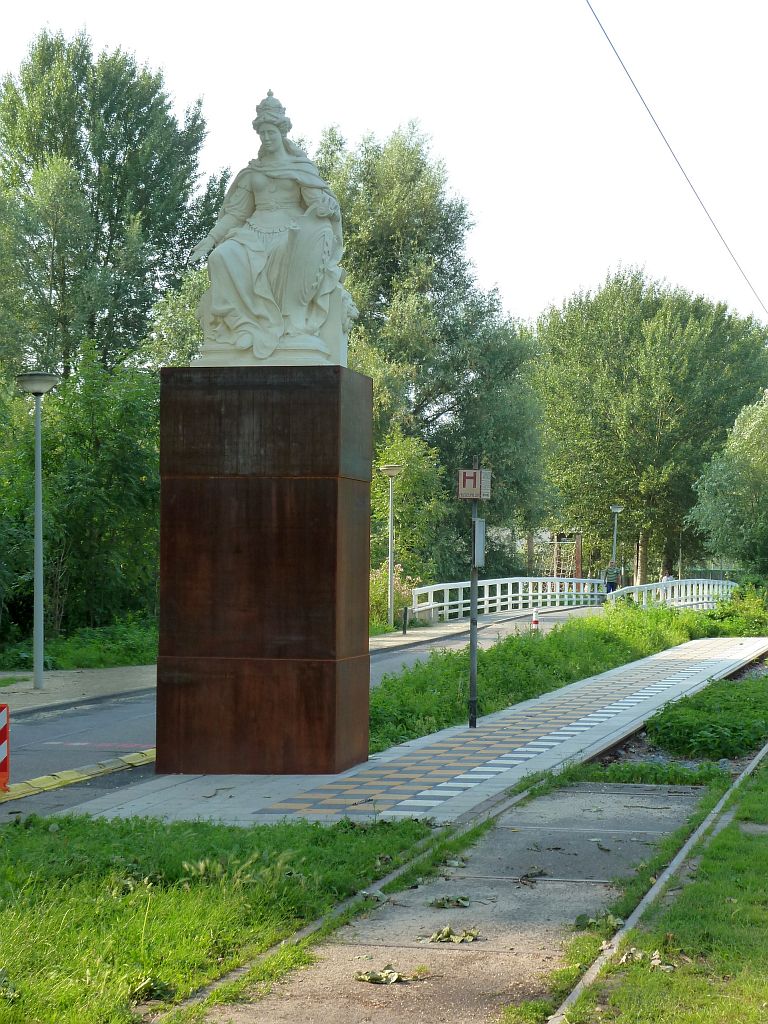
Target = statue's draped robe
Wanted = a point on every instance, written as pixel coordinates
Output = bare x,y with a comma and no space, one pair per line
275,267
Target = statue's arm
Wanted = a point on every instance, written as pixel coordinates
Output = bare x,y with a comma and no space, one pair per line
320,202
237,207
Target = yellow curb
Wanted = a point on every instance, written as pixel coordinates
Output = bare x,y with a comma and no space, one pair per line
17,790
65,778
140,757
44,782
92,770
70,776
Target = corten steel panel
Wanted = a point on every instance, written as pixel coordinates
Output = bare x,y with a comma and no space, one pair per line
264,568
224,716
265,421
353,558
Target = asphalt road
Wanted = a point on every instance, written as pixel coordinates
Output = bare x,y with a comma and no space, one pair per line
48,741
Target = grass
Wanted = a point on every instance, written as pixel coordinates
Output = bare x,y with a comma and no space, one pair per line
637,773
97,917
712,934
433,694
10,680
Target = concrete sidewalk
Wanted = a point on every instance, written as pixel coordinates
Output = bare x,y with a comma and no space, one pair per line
449,775
65,687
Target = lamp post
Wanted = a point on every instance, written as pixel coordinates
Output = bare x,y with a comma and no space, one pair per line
615,509
38,384
391,472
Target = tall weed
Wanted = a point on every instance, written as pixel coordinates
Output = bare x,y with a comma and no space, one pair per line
379,595
727,719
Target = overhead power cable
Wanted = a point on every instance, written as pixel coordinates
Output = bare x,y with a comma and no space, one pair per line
674,156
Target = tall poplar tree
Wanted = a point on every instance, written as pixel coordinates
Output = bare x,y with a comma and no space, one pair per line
731,510
99,180
640,383
449,366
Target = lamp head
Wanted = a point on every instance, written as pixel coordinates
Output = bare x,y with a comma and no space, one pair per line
616,509
391,471
37,382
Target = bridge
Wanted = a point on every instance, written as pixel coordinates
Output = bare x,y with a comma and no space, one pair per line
442,602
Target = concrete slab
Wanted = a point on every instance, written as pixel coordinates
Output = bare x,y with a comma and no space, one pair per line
611,806
585,832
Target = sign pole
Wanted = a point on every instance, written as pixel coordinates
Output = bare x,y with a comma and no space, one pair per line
474,484
473,617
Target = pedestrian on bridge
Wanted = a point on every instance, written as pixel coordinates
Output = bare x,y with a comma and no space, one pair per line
611,577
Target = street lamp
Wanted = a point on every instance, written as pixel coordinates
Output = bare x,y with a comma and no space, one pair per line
391,472
615,509
38,384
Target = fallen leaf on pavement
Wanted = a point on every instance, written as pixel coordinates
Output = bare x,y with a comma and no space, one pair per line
448,902
447,934
386,976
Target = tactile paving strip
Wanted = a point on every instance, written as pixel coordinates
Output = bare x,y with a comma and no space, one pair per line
420,781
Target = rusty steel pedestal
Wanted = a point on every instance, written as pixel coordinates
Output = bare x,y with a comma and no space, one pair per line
263,665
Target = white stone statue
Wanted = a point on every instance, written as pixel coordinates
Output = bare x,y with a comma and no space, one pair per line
276,295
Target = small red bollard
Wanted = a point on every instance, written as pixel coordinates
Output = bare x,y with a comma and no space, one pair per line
5,752
535,621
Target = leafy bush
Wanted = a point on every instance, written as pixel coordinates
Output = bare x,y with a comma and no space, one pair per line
129,642
379,594
727,719
745,614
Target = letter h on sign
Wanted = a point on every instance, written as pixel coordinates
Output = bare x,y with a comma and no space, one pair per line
475,484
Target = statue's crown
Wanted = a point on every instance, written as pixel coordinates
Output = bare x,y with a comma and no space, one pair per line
272,111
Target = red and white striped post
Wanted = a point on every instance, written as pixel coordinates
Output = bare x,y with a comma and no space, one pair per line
5,748
535,621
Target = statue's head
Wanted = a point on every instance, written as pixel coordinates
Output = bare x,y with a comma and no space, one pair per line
272,112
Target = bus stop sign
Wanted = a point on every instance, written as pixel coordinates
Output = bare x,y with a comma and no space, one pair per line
475,484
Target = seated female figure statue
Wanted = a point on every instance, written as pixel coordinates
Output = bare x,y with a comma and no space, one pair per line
276,293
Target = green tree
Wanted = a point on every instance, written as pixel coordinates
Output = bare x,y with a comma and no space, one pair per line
54,251
100,463
448,365
640,383
424,540
101,179
15,567
731,510
175,336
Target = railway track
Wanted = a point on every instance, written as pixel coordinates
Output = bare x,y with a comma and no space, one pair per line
488,816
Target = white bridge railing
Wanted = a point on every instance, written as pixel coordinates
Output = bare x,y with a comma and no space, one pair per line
680,593
444,601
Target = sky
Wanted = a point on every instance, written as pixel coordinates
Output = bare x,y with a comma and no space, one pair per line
539,129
